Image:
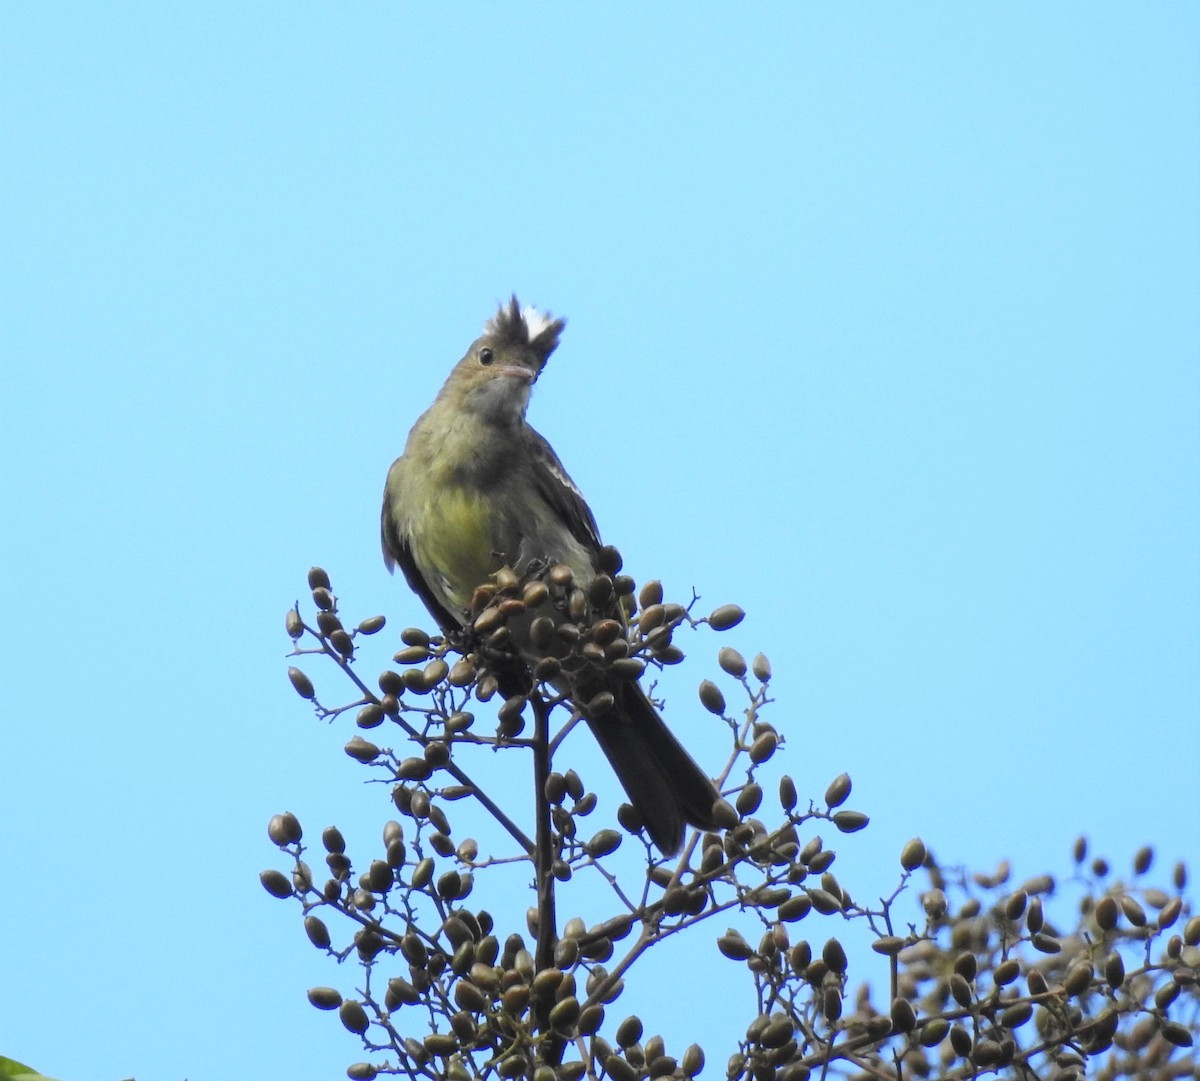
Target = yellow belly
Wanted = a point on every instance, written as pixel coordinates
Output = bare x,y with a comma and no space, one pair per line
453,544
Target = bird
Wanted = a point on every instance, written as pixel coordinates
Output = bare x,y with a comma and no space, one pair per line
478,489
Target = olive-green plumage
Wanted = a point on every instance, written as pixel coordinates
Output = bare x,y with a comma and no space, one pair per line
478,489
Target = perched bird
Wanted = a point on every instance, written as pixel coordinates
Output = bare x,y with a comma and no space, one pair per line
477,489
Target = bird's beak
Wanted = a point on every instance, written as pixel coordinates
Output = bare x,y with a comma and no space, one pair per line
515,371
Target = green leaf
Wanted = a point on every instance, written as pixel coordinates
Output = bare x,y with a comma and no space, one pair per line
11,1070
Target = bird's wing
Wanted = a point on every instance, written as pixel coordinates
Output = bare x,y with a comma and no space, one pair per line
396,552
559,490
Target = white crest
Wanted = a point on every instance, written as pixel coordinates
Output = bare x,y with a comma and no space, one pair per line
536,321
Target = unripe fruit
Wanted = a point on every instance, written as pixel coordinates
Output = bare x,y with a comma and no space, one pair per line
725,617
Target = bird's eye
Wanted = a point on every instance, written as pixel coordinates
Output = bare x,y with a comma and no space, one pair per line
485,355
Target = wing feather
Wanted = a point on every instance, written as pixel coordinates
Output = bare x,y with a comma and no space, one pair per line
397,552
561,492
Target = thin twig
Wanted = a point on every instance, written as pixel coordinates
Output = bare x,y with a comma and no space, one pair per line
547,933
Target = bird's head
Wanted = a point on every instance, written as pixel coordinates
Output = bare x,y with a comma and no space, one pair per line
498,371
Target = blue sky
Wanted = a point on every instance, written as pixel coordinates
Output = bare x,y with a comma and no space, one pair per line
883,322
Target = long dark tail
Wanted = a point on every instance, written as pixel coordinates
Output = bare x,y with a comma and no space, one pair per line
662,781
